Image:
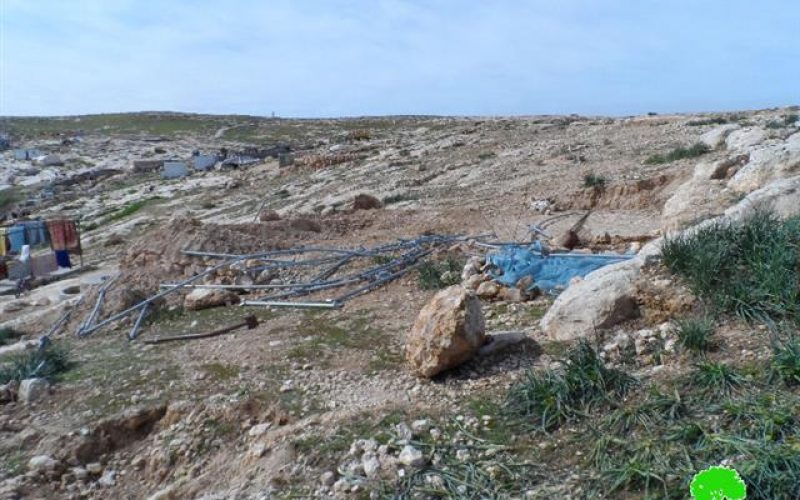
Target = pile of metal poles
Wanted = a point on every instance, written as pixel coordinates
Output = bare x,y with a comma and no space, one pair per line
299,272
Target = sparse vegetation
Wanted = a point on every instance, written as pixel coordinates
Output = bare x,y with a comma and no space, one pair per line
45,363
130,209
786,361
694,334
435,275
786,121
591,180
679,153
715,120
397,198
749,268
549,398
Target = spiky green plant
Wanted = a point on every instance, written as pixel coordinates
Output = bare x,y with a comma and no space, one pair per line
717,377
750,268
44,363
695,334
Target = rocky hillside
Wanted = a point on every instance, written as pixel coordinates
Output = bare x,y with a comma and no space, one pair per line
443,383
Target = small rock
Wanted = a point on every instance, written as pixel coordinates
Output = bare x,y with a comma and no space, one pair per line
420,426
328,478
259,430
43,463
203,298
108,479
371,464
94,468
411,457
487,290
33,389
80,473
403,431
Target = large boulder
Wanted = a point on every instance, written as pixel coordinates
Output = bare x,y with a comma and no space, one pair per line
702,195
782,196
204,298
767,163
741,140
448,331
715,138
601,300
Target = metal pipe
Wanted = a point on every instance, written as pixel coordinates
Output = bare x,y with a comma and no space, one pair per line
237,287
159,295
277,303
101,295
135,330
376,284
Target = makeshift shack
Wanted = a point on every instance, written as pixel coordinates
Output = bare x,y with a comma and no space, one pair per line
144,166
27,154
202,162
174,170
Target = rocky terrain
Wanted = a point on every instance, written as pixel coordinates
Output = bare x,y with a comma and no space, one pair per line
365,401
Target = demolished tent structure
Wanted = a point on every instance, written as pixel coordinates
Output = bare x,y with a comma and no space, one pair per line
549,272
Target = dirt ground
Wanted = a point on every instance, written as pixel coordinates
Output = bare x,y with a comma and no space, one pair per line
265,412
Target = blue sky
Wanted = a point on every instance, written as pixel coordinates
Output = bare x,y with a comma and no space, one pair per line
310,58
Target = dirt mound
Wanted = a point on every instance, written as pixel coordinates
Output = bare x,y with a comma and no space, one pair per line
645,193
157,256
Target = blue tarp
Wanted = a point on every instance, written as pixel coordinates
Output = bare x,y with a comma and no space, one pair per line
549,272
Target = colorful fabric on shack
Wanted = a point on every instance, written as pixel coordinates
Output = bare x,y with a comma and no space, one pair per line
36,232
63,235
549,272
62,258
4,243
16,238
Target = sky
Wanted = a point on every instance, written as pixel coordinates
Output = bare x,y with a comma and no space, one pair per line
327,58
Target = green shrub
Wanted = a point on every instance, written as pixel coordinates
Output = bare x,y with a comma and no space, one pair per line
695,333
749,268
435,275
592,180
548,398
786,362
717,120
717,377
679,153
45,363
786,121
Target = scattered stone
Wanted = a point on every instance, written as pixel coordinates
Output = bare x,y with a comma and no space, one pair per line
43,463
203,298
448,331
94,468
108,479
259,430
371,464
420,426
32,390
487,290
327,478
411,457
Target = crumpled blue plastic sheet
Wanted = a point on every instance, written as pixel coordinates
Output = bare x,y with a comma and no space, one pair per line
550,272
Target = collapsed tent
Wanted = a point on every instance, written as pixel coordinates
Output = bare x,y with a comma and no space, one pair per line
550,272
